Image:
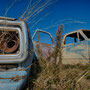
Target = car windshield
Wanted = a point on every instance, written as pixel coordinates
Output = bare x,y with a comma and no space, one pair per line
87,33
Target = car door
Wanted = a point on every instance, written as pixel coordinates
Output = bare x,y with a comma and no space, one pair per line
45,42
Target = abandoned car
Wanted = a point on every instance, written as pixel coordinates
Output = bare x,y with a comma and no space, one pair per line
16,53
75,46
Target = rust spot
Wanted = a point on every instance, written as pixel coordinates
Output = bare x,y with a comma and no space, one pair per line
13,48
9,41
15,79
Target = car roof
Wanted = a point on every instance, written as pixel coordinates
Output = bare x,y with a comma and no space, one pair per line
7,18
77,31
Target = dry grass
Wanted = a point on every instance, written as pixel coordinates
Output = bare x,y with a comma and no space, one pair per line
34,8
48,74
7,9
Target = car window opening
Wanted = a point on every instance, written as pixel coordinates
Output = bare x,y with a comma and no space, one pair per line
9,41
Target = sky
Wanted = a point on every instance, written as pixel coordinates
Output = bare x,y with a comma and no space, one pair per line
74,14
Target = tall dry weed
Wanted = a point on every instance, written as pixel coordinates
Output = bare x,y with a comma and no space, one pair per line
53,75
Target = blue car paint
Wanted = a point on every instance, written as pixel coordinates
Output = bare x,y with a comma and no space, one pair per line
9,84
77,52
16,78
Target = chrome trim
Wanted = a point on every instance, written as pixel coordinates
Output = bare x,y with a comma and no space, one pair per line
22,56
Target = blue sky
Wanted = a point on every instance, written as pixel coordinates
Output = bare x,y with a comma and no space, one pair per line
74,14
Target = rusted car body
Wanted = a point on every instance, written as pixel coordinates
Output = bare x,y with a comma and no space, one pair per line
75,46
16,53
45,47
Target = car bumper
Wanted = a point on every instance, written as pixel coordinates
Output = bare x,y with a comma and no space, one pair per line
13,80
